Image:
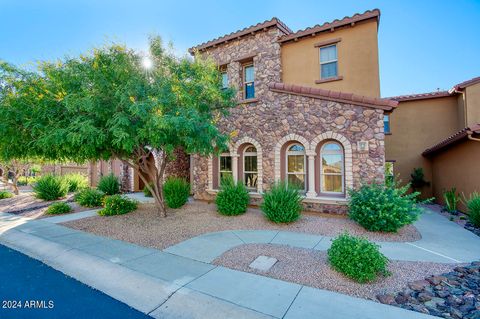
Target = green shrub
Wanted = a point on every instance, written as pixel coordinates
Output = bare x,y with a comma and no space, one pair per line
59,208
49,187
282,204
76,182
451,200
109,185
26,180
146,191
473,206
117,205
380,208
5,194
357,258
89,197
232,199
176,191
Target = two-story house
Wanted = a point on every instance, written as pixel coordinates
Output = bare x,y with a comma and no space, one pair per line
309,111
439,132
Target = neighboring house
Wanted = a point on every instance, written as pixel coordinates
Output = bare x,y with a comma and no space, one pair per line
431,131
309,111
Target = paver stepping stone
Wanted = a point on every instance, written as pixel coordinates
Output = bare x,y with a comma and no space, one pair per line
263,263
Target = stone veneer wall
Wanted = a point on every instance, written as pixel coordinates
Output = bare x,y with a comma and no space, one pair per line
276,116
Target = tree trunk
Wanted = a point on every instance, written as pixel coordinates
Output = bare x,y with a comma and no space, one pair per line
153,172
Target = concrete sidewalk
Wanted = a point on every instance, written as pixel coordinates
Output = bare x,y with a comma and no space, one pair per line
442,241
166,285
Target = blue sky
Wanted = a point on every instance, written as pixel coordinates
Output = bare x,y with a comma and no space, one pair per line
423,45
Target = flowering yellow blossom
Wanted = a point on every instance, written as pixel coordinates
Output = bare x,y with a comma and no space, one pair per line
132,99
233,133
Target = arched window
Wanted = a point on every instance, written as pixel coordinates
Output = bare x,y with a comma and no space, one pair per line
250,172
225,170
296,166
331,168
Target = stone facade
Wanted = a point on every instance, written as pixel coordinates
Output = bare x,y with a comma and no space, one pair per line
273,119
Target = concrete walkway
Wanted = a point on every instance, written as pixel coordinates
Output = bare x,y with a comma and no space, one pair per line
442,241
167,285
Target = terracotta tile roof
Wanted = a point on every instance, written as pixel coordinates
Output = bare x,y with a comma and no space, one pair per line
460,135
420,96
248,30
349,98
437,94
461,86
327,26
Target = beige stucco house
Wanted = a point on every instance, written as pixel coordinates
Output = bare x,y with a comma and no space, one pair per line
309,113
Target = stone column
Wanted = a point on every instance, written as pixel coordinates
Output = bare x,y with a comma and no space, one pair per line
235,167
311,175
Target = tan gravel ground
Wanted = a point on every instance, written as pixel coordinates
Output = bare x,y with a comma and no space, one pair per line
310,267
27,205
146,228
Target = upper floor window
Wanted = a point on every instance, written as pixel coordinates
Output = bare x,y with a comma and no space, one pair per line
331,168
328,62
225,166
249,81
386,123
224,77
296,166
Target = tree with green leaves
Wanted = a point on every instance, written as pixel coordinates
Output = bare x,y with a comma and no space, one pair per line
106,104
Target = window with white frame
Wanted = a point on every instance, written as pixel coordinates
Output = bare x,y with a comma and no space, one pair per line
332,168
225,166
386,123
328,62
250,172
296,166
224,76
249,81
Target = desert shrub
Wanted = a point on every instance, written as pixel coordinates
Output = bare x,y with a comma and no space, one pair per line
5,194
176,191
417,179
451,200
49,187
146,191
117,205
109,185
357,258
89,197
59,208
473,206
76,182
232,199
380,208
282,204
26,180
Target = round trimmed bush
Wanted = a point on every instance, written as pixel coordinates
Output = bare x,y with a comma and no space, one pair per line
282,204
49,187
59,208
176,191
76,182
117,205
89,197
357,258
109,185
380,208
5,194
232,199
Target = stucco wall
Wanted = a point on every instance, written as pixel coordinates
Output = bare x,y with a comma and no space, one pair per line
357,60
473,104
457,166
416,126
